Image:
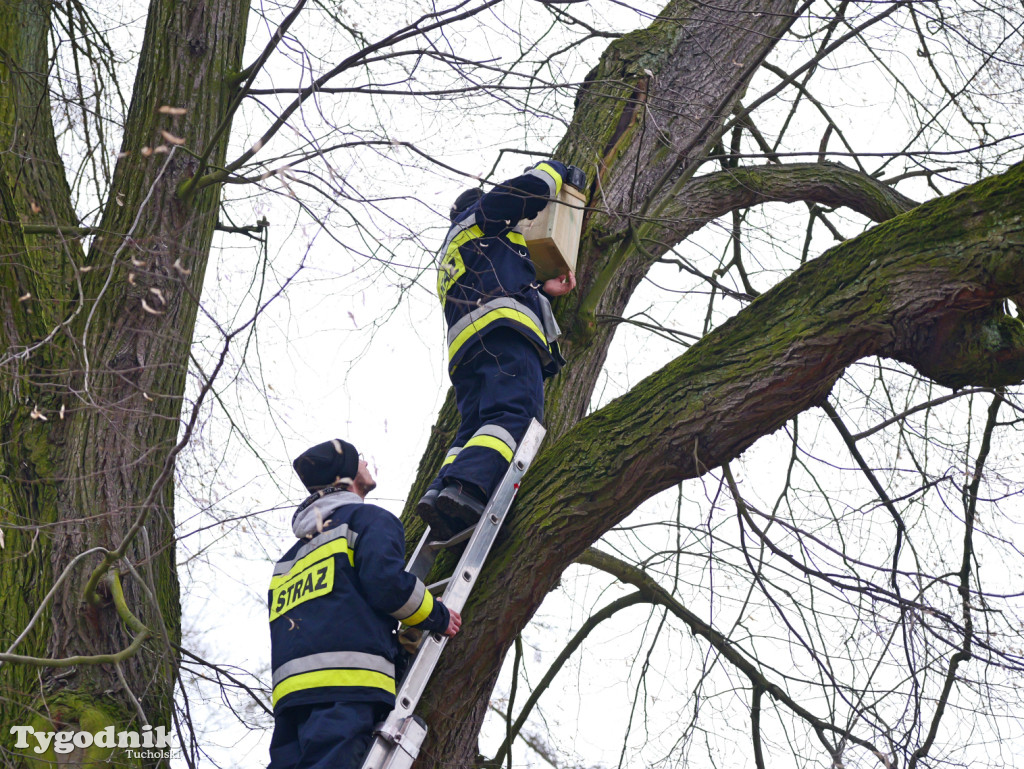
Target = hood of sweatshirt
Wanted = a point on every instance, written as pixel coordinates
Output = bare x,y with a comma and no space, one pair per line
310,517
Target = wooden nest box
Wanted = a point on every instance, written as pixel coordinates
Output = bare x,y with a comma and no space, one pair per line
553,237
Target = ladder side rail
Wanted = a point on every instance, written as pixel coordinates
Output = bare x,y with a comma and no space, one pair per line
468,569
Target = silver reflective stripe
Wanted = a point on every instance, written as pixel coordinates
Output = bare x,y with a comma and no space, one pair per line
455,229
551,329
453,451
411,606
499,432
552,185
495,304
283,567
334,660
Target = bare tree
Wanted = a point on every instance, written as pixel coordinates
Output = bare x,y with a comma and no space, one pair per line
682,124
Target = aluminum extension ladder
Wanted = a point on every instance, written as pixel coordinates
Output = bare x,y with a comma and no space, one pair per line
397,741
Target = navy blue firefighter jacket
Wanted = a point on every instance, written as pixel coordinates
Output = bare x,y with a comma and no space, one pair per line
335,601
486,279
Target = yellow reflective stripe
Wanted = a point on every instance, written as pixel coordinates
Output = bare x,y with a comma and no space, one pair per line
554,174
449,459
423,612
452,267
490,442
517,238
335,547
466,235
481,323
344,677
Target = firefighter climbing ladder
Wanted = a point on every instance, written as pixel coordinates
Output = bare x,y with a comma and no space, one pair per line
397,741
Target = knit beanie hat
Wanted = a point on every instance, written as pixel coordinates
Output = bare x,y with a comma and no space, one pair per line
466,199
326,462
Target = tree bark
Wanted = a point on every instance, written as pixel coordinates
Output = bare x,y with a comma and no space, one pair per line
111,380
36,274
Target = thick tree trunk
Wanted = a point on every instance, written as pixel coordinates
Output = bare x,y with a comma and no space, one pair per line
37,271
114,380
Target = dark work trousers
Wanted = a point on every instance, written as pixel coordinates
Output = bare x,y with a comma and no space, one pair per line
499,388
330,735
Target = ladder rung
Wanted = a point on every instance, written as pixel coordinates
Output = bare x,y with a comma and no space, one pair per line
443,544
438,585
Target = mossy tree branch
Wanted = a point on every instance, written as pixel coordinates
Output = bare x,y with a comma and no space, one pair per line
142,634
708,197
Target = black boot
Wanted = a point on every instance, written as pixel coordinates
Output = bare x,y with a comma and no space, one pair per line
462,504
441,526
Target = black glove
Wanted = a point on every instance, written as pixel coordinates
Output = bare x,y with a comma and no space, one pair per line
575,177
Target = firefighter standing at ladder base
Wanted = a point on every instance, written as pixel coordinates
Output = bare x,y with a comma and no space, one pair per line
335,601
501,339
